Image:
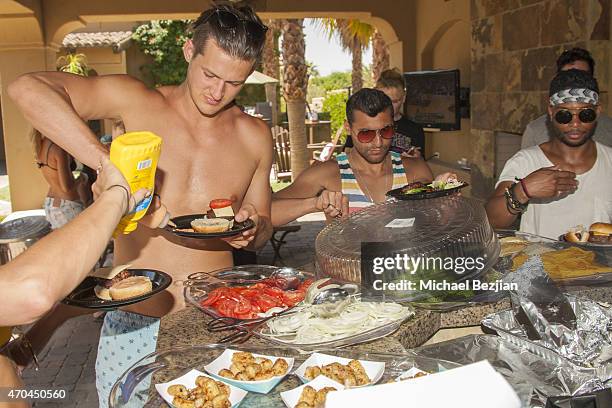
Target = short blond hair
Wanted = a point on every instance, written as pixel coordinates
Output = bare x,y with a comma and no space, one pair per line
391,78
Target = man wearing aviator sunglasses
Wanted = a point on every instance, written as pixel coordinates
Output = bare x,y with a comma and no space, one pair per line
210,150
565,182
356,180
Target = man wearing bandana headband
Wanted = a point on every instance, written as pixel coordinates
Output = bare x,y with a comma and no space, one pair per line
541,129
564,182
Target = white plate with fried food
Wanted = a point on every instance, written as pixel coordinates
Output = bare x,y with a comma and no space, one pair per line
195,386
251,372
311,395
350,373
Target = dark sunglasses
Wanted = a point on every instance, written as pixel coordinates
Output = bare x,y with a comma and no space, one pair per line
228,20
565,116
366,136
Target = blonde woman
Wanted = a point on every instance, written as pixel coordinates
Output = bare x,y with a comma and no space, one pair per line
67,196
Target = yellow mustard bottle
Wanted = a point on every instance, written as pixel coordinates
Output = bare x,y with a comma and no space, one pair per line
136,154
5,335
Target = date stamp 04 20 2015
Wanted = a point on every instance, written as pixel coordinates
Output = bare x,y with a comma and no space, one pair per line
8,394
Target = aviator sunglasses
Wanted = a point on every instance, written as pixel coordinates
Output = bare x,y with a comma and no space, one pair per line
366,136
565,116
228,20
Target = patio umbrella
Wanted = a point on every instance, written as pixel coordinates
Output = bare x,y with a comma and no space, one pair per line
261,79
257,78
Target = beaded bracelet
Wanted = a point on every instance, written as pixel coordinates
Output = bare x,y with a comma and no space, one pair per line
513,205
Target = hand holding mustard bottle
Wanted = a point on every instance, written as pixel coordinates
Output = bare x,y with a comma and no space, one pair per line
136,155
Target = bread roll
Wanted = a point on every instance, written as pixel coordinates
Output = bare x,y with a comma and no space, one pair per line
131,287
577,236
210,225
102,292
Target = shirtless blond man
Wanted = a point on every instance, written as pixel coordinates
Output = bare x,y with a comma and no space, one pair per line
210,150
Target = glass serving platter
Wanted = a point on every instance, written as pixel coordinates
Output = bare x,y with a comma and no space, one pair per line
136,386
200,284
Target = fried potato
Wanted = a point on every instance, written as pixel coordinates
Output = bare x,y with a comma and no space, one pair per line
227,374
308,395
178,390
179,402
321,395
280,367
312,372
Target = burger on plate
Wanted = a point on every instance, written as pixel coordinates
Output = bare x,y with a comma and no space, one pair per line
118,283
598,233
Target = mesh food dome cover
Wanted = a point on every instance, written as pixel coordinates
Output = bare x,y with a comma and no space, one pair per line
444,228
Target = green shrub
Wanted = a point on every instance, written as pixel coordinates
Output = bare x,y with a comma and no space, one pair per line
335,104
163,40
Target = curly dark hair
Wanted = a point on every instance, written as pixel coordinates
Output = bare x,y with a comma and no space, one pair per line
573,55
369,101
240,41
573,78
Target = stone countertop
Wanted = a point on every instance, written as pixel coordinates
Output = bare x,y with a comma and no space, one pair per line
188,327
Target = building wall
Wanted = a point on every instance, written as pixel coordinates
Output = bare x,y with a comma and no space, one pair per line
443,42
514,48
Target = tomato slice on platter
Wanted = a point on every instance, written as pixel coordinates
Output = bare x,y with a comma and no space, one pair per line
226,307
211,299
293,298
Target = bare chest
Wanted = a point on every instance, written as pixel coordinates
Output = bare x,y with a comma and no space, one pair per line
196,167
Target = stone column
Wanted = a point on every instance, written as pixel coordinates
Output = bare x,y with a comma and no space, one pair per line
27,185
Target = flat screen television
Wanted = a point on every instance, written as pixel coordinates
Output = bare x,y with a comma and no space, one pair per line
432,99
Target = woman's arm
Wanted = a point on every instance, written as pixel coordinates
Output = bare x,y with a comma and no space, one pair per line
32,283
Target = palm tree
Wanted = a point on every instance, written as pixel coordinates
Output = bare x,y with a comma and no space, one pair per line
73,63
271,64
380,55
354,36
295,82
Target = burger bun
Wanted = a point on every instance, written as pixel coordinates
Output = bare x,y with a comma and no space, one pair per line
210,225
601,228
131,287
102,292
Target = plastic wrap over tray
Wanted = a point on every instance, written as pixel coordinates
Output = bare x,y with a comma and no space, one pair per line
533,377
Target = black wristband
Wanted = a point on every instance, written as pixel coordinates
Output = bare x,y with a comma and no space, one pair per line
127,196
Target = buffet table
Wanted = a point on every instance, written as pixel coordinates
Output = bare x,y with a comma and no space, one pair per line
188,326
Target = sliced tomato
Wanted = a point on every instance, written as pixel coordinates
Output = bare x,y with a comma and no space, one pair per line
212,297
220,203
226,307
242,306
274,292
291,298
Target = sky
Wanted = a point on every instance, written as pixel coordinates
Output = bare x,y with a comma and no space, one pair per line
327,55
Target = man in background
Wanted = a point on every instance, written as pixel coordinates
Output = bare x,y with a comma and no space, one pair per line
541,130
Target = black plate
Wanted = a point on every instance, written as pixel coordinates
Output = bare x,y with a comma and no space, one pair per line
397,193
184,221
84,295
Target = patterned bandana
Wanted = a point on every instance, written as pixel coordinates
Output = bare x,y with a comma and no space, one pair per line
580,95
